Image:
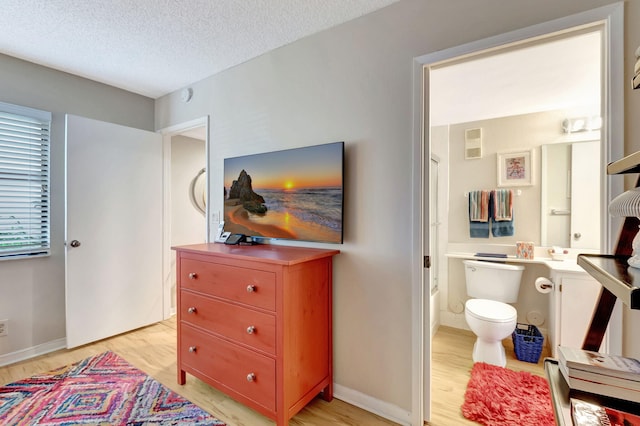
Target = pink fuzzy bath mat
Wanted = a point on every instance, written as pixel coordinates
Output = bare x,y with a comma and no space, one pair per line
499,396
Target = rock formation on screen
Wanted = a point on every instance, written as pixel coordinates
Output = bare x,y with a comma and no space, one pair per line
241,189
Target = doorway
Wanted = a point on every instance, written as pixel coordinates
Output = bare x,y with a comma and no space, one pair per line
609,21
513,105
186,193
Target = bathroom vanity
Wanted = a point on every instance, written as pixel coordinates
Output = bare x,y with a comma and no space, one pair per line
571,301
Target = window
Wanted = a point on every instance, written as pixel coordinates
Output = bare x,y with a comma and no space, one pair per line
24,182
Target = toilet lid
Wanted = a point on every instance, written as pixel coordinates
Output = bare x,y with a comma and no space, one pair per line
490,310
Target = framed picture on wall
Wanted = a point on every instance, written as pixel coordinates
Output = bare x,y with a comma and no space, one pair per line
515,168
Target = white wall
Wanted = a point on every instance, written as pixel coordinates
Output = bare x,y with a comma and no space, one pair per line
354,83
32,290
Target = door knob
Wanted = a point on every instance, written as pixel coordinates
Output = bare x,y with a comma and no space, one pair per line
75,243
577,235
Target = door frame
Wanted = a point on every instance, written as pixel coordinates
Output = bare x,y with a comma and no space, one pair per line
167,253
612,18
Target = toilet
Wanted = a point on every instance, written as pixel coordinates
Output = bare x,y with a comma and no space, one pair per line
491,286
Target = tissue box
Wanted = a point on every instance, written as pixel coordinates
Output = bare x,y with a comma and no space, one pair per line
524,250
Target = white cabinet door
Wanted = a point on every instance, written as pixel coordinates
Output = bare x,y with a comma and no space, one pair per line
578,298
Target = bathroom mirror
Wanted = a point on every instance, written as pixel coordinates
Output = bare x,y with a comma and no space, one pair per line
570,185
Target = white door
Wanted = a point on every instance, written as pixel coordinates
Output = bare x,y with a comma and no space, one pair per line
585,211
113,229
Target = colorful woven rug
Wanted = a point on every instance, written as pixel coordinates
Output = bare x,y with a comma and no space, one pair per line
103,390
498,396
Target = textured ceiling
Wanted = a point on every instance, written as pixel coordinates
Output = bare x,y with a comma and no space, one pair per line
154,47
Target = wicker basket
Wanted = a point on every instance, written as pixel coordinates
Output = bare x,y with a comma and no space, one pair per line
527,342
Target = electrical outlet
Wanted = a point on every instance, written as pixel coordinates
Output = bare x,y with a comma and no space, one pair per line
215,217
4,327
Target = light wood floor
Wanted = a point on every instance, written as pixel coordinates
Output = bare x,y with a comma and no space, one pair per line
451,365
152,349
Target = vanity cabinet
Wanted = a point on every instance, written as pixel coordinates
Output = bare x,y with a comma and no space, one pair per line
573,301
255,322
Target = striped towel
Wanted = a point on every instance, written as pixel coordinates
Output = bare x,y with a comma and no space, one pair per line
502,205
479,214
479,206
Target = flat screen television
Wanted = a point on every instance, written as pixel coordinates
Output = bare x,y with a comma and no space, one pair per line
294,194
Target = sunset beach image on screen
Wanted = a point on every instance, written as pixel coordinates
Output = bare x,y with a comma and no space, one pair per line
294,194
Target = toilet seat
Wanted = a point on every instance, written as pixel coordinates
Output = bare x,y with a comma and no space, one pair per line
491,311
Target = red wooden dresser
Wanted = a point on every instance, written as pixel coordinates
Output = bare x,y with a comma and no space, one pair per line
255,322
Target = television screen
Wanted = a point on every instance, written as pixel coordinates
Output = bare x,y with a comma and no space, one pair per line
295,194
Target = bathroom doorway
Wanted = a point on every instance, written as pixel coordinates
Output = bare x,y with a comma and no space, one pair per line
508,110
607,21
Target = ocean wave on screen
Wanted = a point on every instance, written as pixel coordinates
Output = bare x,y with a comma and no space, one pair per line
322,206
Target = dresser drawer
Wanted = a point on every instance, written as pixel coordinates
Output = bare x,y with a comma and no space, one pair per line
230,366
245,325
250,286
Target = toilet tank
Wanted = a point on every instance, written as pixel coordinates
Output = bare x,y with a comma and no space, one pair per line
492,280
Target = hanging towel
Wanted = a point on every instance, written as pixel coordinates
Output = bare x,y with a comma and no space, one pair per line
503,204
501,212
479,206
504,228
479,214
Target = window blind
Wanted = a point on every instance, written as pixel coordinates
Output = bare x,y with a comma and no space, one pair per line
24,182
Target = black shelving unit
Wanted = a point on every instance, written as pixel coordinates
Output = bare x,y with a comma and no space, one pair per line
613,272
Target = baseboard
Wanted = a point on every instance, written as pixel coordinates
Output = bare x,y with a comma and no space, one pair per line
434,328
32,352
373,405
450,319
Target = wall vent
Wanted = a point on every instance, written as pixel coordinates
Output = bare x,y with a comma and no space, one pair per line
472,144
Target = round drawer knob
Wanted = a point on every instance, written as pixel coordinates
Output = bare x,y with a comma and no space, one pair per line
192,310
251,288
193,275
251,377
251,329
192,348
